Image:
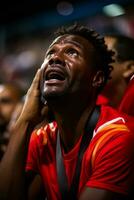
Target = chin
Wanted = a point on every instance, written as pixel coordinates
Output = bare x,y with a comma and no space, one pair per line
54,91
52,95
55,95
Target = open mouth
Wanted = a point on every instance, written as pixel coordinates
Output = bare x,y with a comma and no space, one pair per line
55,75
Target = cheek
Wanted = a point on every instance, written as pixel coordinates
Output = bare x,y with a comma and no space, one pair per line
82,77
116,74
43,66
84,73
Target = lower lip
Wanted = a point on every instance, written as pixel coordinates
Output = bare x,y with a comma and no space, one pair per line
53,81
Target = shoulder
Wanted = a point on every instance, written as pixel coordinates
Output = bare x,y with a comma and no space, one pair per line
112,133
112,124
44,134
109,117
114,140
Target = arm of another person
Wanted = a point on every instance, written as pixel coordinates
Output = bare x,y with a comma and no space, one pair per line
12,167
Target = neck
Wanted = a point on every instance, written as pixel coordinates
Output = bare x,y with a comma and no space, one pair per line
71,119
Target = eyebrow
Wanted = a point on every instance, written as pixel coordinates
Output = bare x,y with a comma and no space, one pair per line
75,43
68,41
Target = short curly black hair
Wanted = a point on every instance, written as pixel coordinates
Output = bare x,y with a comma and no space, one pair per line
103,56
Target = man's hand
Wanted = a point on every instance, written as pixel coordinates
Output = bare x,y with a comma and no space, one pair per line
33,110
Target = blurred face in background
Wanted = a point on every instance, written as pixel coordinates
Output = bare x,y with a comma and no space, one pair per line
8,101
123,68
117,73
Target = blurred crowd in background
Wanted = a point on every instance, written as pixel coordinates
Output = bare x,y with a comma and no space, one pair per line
26,27
26,30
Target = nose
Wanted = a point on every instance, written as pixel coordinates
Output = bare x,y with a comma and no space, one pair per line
57,59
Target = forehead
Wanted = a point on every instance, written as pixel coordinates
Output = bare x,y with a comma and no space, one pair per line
110,42
74,40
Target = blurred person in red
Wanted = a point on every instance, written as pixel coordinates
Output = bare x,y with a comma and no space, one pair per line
127,102
123,69
10,95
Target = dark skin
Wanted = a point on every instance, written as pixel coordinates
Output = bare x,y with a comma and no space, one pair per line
68,76
121,74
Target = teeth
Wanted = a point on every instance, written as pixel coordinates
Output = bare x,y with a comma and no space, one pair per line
55,75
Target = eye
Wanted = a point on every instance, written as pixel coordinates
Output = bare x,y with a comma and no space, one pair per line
50,53
72,52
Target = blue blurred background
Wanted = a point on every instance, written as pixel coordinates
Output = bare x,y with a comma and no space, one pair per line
26,28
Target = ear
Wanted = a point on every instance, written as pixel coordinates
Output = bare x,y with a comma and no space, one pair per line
129,69
98,79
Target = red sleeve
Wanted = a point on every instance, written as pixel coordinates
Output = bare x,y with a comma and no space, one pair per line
32,158
114,165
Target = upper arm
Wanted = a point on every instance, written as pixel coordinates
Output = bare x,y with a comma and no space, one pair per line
97,194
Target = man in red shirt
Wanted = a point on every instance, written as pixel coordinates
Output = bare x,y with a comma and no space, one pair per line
102,161
75,69
123,69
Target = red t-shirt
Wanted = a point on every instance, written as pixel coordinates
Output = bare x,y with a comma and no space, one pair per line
102,100
107,163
